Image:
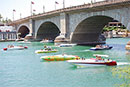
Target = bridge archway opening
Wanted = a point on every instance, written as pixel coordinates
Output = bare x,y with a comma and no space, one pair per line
89,30
23,31
48,30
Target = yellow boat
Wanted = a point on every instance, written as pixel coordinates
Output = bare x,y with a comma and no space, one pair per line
63,57
45,51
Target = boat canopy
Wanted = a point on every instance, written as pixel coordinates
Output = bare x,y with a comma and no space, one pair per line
100,55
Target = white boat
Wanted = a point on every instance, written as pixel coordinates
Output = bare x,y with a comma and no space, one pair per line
93,61
24,42
46,41
15,48
21,39
101,47
66,45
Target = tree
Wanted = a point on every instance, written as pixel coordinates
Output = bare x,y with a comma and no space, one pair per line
4,20
0,17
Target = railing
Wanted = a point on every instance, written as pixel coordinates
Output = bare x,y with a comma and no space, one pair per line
89,5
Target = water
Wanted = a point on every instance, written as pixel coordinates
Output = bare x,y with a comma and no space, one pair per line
23,68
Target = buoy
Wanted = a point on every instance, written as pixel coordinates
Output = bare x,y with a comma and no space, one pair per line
4,48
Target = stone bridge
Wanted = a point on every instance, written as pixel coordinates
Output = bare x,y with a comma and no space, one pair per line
81,24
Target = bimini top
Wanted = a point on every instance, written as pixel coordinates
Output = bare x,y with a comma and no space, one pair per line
100,55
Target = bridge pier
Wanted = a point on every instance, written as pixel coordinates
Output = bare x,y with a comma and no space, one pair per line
31,35
64,25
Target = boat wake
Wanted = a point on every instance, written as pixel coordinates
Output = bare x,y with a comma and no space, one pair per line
122,63
86,50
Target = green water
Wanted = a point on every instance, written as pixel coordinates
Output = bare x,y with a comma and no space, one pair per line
23,68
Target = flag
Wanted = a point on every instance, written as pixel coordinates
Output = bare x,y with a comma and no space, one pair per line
56,2
14,10
32,2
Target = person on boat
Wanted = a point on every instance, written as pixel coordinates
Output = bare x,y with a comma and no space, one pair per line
98,58
105,46
83,58
10,46
47,48
98,46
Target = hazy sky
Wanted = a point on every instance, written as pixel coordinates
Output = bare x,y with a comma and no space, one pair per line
23,6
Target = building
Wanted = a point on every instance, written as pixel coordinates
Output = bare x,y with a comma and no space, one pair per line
7,33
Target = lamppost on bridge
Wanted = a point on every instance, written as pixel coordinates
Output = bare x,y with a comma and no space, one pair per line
13,13
20,15
31,7
43,9
63,3
56,4
34,11
93,1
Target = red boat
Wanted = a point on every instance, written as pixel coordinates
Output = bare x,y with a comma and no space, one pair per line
98,61
11,47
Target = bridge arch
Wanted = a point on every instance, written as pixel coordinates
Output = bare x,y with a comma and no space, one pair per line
89,30
23,30
47,30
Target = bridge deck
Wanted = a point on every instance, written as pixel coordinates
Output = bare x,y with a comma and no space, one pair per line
89,7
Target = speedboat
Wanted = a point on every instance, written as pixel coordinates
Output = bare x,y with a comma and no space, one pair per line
62,57
101,47
66,45
45,51
93,61
46,41
24,42
15,48
127,47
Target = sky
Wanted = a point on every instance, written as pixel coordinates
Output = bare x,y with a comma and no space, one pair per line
22,7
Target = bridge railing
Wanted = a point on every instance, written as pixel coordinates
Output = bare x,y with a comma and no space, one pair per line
89,5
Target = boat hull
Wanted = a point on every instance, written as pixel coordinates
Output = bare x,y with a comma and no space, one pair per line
59,58
93,63
45,51
108,48
15,48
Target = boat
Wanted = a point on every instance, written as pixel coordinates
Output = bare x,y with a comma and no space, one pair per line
46,41
20,39
62,57
24,42
66,45
45,51
98,61
127,47
101,47
11,47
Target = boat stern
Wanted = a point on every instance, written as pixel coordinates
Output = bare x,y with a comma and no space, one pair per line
112,63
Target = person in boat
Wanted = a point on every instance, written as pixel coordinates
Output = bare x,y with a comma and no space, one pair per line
47,48
83,58
10,46
98,46
98,58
